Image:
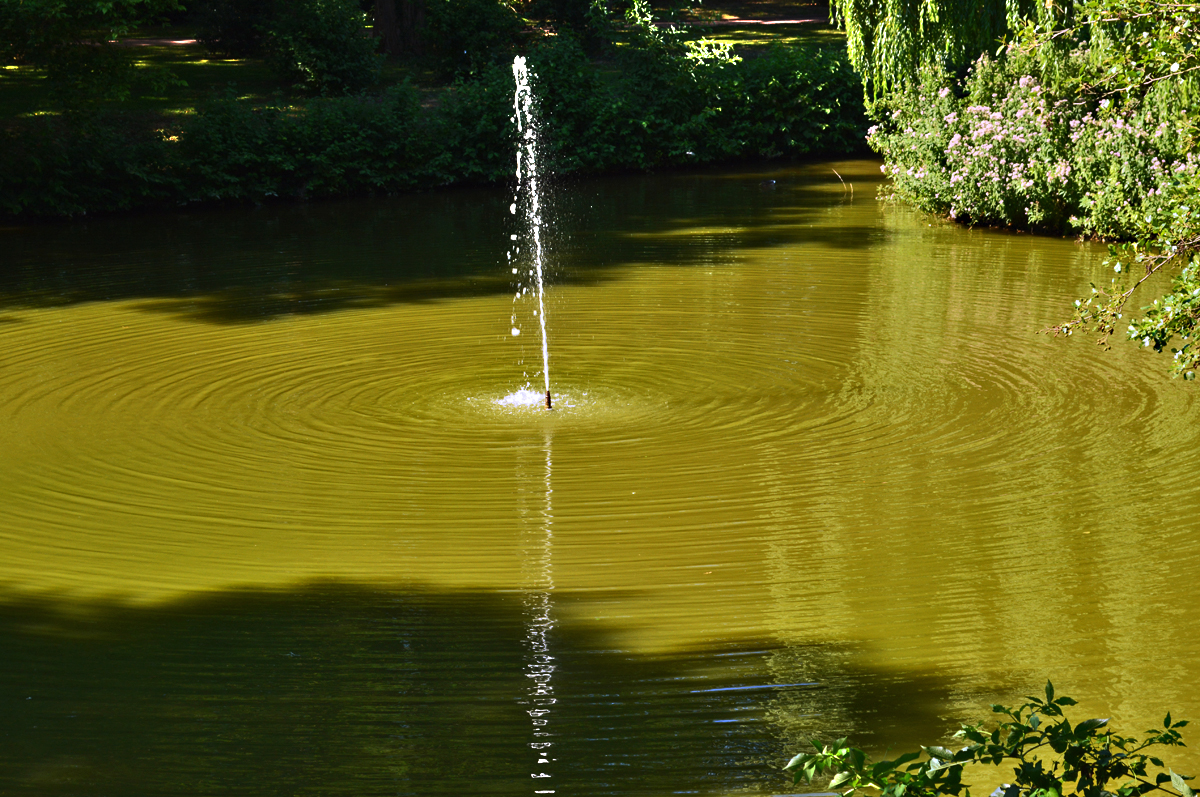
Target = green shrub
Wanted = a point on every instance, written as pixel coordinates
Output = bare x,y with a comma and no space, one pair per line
475,130
234,27
1048,754
367,145
465,37
323,46
81,163
320,45
792,102
674,104
334,147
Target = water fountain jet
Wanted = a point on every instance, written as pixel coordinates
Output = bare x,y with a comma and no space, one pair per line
527,178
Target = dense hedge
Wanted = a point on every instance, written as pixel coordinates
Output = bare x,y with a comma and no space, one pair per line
664,104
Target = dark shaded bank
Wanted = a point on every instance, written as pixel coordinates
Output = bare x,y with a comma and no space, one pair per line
232,266
336,688
655,109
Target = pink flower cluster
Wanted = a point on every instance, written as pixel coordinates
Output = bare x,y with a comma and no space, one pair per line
1021,156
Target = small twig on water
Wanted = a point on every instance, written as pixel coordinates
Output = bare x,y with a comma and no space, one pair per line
844,184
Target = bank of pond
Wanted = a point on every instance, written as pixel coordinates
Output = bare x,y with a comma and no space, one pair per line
652,106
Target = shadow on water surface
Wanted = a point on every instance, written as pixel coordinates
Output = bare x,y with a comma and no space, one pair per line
239,266
336,688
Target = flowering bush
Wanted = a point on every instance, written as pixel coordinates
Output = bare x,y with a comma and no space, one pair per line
1003,148
1086,122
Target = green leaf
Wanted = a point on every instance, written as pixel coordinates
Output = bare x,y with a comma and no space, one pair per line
1049,692
1065,701
939,752
840,778
944,765
1179,785
797,761
1167,721
1087,726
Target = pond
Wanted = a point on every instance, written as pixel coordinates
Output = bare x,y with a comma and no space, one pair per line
811,472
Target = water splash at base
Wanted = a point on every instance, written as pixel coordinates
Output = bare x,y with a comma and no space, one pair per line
533,398
523,398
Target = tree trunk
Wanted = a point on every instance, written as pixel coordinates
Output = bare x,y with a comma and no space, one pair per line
385,27
412,22
399,28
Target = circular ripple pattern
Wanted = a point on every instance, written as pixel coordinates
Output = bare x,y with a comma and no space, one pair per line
788,430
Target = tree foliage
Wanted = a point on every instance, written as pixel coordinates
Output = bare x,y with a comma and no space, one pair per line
1049,755
322,46
1132,44
466,36
32,29
319,45
73,42
890,41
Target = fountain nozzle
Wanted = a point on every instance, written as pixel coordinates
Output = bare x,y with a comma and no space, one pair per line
549,406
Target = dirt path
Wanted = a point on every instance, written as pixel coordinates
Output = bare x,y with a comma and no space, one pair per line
760,12
159,42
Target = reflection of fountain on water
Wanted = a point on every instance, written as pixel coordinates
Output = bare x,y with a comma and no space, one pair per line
539,623
528,202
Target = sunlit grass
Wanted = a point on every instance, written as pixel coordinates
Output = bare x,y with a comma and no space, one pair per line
759,35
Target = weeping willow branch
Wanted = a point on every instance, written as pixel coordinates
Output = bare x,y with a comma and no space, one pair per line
890,42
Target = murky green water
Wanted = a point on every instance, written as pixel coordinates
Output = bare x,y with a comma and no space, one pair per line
265,530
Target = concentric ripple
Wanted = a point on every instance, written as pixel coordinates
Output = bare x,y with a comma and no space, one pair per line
794,416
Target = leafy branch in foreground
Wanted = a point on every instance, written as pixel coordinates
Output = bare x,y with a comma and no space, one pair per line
1170,245
1047,751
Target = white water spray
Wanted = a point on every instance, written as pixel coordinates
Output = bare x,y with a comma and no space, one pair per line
527,182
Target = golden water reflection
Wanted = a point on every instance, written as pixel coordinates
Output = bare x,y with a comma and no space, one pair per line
803,437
